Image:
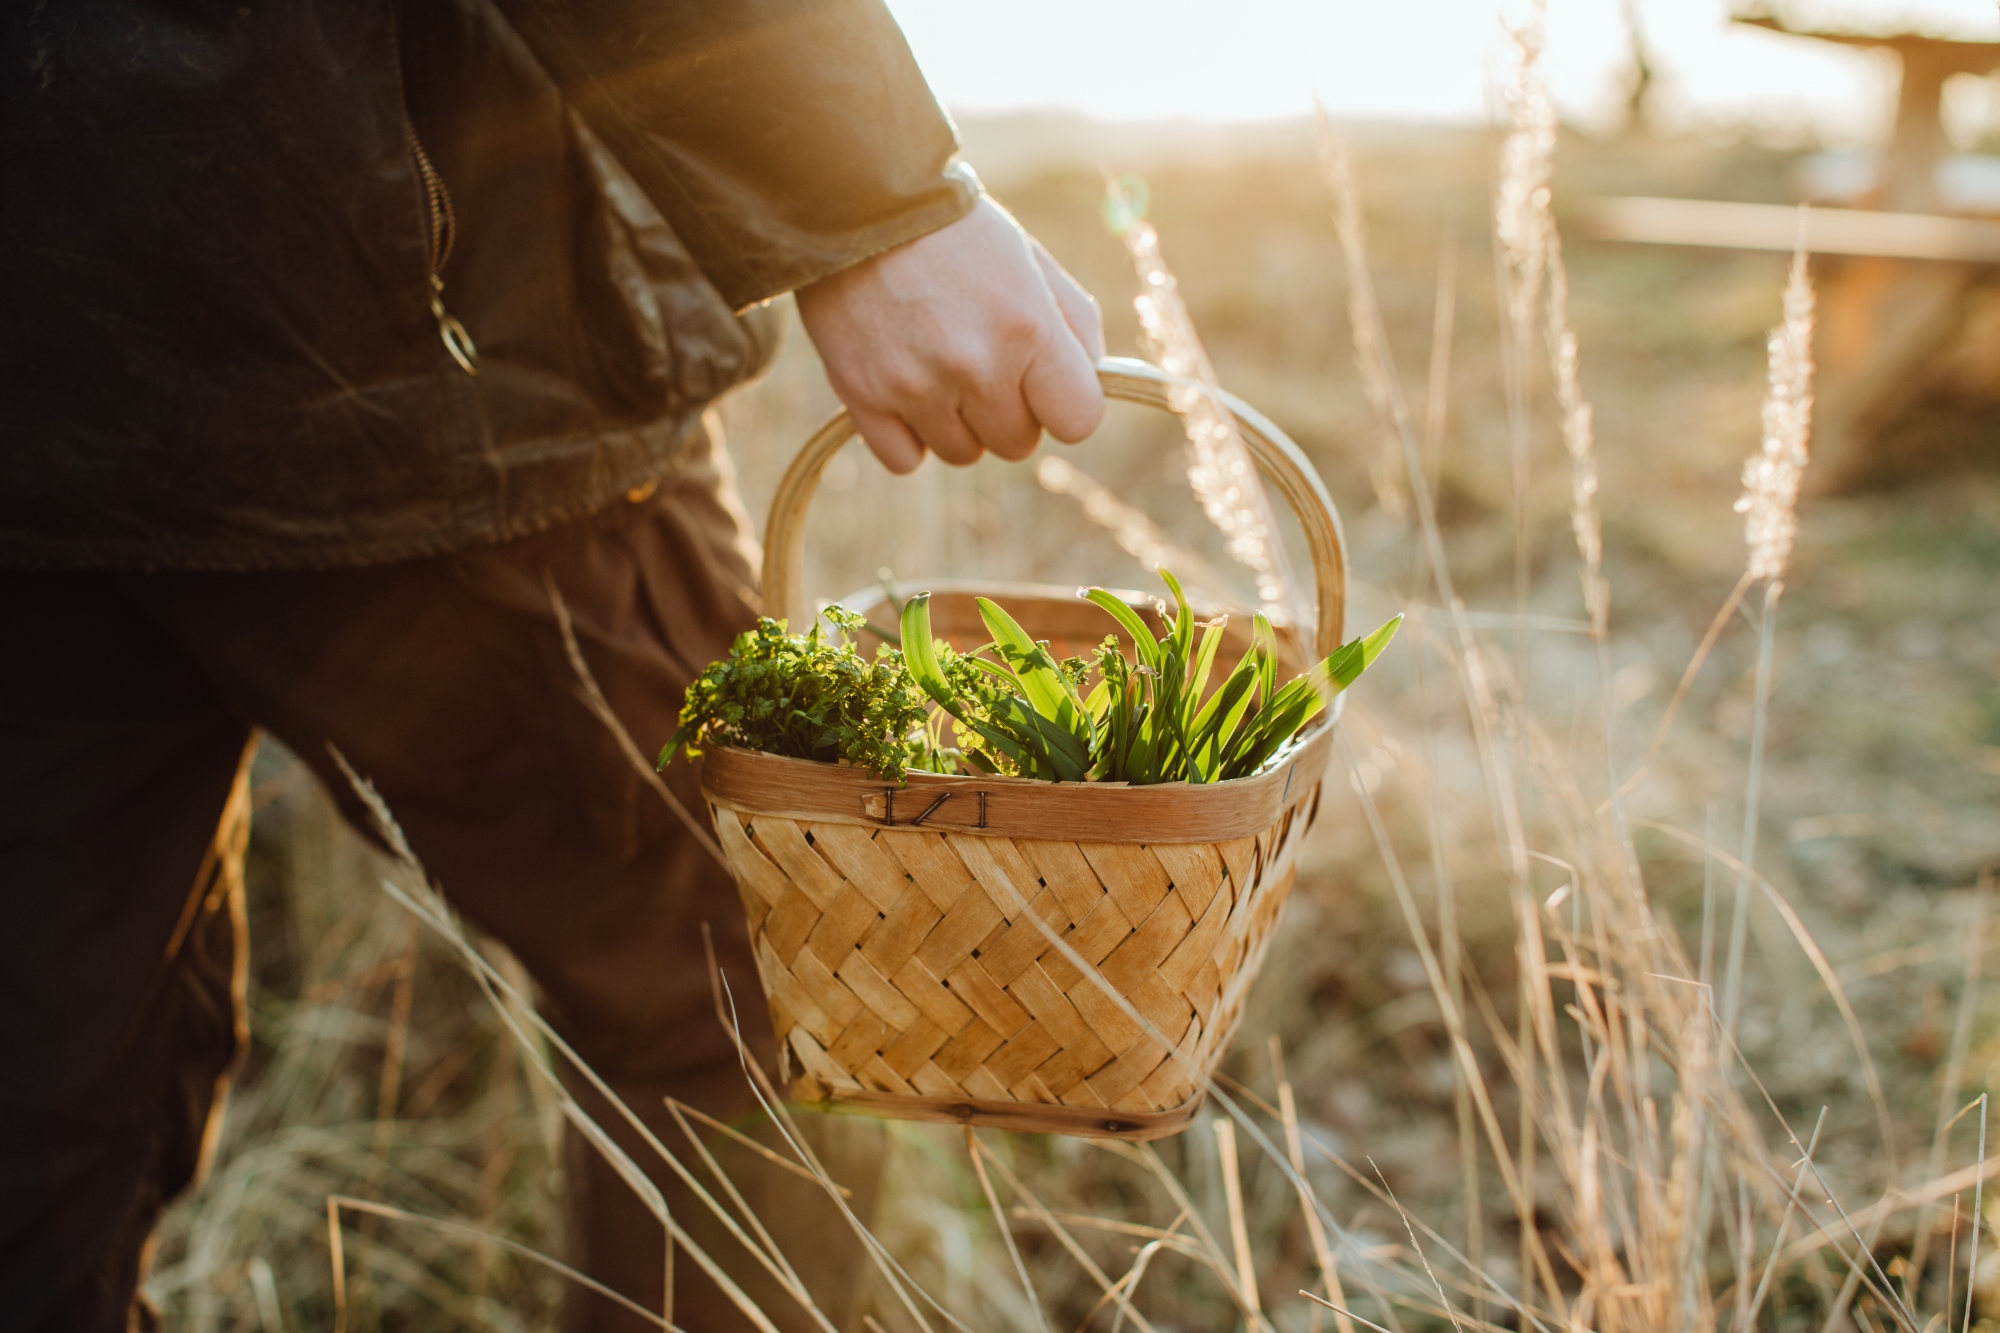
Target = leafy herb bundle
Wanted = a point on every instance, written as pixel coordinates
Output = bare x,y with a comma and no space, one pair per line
1010,706
807,697
1145,721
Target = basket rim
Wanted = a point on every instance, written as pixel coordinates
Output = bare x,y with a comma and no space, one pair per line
757,783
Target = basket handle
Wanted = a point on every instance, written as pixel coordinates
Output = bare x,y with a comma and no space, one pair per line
1127,381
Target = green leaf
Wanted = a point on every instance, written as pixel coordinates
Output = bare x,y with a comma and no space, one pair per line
1371,648
1183,634
920,654
1204,660
1066,755
1044,686
1265,637
1272,729
1143,642
1000,741
1245,672
1218,720
999,670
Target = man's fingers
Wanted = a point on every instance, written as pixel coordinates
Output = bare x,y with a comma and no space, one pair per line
944,433
1002,422
1062,390
1079,307
1061,384
968,340
889,440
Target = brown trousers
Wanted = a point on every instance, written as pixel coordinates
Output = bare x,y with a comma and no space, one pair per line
126,704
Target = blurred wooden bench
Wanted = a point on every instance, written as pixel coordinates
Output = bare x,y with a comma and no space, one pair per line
1904,273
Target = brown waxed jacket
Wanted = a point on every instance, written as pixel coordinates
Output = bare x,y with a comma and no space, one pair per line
237,236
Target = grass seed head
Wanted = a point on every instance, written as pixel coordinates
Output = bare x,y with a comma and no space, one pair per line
1771,476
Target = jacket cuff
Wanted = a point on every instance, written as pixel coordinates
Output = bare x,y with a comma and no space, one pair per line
958,193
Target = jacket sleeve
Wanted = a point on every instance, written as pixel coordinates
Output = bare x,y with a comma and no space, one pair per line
784,140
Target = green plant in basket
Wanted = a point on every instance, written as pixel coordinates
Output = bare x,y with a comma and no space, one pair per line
1147,720
1010,707
807,696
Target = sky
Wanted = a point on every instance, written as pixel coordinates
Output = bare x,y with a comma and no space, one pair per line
1244,60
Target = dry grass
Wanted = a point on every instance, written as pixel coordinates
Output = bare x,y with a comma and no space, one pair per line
1489,1079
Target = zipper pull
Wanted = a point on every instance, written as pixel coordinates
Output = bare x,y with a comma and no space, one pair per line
456,340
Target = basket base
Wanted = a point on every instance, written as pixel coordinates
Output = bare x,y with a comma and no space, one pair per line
1021,1117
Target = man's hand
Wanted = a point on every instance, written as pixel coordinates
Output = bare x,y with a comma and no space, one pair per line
971,338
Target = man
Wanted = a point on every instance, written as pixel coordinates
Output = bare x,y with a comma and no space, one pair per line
332,329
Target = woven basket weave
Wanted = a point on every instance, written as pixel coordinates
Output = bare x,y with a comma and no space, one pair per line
896,927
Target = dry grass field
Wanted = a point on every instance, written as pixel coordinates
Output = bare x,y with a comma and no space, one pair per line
380,1072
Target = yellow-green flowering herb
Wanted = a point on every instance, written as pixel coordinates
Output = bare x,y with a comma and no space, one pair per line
809,697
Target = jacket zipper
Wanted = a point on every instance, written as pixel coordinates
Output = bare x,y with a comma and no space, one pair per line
443,233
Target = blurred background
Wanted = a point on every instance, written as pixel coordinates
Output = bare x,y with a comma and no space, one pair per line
1423,61
1690,130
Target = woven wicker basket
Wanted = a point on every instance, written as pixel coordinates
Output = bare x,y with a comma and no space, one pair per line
892,925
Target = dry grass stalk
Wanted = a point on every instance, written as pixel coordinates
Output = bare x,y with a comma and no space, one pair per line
973,1151
1693,669
1579,438
1239,1233
1118,1291
1978,1213
734,1195
1898,1201
1371,348
593,698
1770,526
1364,323
742,1140
1749,1313
1771,476
1288,1115
1444,318
1521,264
1219,469
1409,1229
1371,341
1954,1071
1531,251
335,1203
1527,165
